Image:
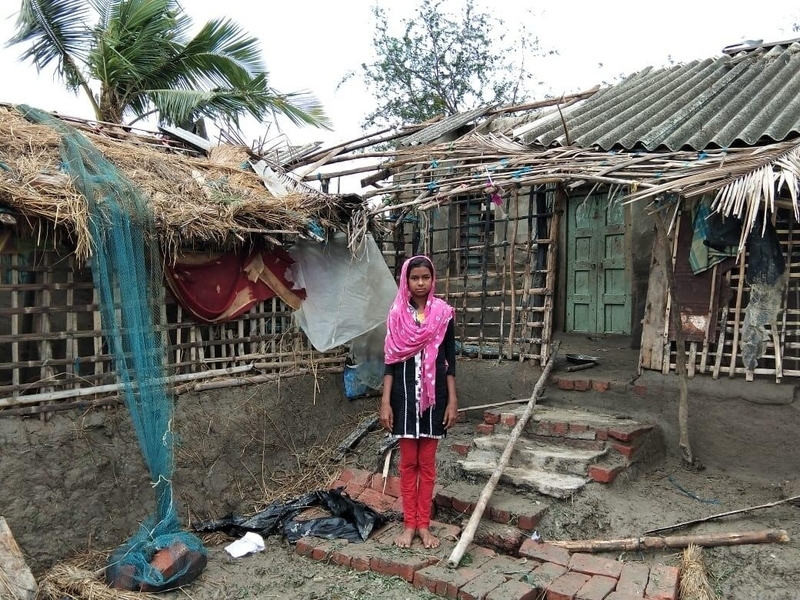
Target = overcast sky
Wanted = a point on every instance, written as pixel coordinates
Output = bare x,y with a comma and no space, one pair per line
313,44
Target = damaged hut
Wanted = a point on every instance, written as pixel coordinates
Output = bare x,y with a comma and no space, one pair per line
224,222
541,217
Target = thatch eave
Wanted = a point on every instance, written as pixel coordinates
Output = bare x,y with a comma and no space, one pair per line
214,202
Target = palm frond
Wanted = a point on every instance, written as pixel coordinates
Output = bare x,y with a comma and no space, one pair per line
57,31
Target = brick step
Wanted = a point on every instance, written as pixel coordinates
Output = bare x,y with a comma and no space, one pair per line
543,454
542,571
556,485
504,507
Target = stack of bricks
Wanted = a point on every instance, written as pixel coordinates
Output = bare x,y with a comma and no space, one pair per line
625,440
535,571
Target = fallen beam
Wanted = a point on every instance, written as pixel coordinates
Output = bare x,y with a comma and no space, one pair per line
16,579
767,536
368,424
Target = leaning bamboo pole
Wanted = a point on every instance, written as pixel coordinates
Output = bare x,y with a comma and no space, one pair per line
635,544
480,506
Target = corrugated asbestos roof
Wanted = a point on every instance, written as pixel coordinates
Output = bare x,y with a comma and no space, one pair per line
748,98
446,125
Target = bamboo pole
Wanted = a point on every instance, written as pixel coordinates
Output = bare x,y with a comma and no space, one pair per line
737,315
767,536
115,387
724,514
477,513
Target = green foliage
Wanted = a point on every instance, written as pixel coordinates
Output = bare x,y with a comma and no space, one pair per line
442,63
141,54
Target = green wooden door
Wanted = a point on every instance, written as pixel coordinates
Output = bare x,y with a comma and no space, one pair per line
598,285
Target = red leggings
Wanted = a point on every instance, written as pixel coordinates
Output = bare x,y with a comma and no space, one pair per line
417,478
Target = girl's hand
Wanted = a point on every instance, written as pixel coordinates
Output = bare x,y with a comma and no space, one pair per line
450,415
386,416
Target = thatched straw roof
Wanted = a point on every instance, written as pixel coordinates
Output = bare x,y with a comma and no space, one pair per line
214,201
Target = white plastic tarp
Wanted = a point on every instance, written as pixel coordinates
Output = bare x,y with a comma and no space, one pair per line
346,295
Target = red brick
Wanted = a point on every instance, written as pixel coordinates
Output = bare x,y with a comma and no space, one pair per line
628,433
375,499
357,477
485,429
479,555
543,575
530,520
174,559
340,557
601,386
544,552
508,419
633,579
491,417
443,581
322,551
391,487
464,507
626,450
354,490
499,515
338,484
578,428
566,384
305,546
566,587
603,474
359,561
462,449
597,588
508,567
663,583
478,588
559,428
622,596
595,565
403,565
443,498
513,590
640,390
397,505
602,434
582,385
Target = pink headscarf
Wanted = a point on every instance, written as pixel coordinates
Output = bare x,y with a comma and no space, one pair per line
404,338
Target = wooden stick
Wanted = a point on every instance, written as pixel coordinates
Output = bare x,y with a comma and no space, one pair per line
496,404
720,515
477,513
766,536
737,316
581,367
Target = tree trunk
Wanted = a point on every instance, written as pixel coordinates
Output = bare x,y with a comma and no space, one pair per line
680,342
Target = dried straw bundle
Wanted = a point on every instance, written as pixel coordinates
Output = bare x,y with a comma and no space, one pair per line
694,576
76,583
195,200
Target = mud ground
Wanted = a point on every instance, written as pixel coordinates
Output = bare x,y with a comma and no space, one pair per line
77,483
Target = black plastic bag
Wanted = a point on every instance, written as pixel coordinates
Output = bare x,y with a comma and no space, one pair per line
351,520
723,232
765,263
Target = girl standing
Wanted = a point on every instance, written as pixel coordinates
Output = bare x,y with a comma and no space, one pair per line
419,401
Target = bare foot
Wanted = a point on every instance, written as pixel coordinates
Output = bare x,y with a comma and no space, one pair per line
404,539
429,540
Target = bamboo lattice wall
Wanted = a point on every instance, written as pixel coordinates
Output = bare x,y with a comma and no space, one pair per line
495,265
720,353
53,355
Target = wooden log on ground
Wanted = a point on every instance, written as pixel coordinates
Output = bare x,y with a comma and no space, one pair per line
368,424
469,531
767,536
16,579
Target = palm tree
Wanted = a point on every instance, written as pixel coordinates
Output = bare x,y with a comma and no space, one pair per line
145,62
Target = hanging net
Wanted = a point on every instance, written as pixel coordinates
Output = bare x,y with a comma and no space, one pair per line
126,270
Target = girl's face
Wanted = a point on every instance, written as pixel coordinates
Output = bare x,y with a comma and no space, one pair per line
419,282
